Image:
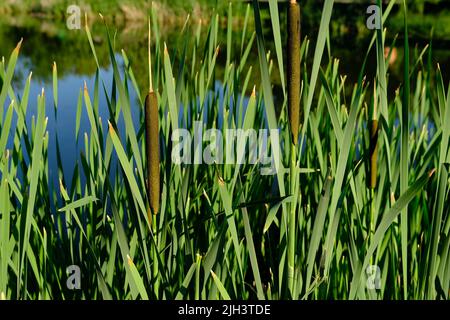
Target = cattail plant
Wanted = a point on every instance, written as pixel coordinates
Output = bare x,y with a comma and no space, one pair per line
152,140
293,71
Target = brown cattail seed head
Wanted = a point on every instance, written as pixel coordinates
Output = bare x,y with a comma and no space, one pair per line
293,69
152,149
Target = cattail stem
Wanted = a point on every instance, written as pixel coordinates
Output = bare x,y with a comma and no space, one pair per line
150,81
155,264
292,222
293,68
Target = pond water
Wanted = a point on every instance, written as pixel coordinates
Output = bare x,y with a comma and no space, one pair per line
48,40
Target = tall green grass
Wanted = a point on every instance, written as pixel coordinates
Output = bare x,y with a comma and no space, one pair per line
225,231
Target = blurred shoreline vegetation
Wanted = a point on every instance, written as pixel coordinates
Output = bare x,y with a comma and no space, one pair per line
42,25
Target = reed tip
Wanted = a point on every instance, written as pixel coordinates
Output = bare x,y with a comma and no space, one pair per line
431,173
17,49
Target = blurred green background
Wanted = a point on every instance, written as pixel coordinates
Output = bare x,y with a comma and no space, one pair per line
42,25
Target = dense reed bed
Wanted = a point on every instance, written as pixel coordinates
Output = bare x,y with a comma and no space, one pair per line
357,209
